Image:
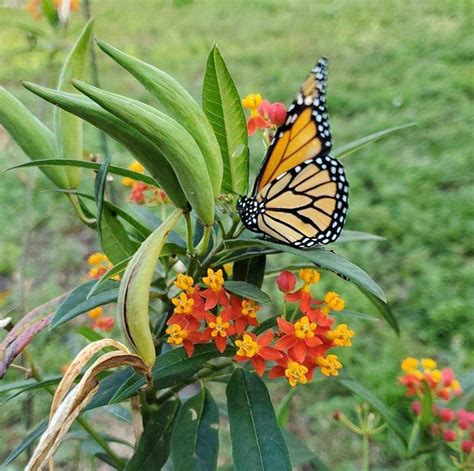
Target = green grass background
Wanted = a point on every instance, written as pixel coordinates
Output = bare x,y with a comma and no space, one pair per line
391,62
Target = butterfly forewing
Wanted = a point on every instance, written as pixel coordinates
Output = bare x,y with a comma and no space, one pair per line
300,196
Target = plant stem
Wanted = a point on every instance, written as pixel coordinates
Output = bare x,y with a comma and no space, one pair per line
189,232
204,243
365,452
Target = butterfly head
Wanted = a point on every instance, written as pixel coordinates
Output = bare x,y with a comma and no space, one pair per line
248,209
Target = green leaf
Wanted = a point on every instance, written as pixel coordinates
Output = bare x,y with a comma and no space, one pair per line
50,12
330,261
142,148
170,369
68,128
89,334
251,270
77,302
115,270
28,386
354,146
394,421
195,438
360,315
154,446
383,308
221,103
180,104
114,238
426,415
257,441
248,291
86,164
26,442
300,454
352,236
100,186
175,143
35,139
283,410
265,325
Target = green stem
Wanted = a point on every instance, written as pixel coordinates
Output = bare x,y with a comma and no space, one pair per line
189,233
204,243
365,452
77,207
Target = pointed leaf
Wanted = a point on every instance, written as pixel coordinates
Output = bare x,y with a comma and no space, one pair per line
248,291
252,270
221,103
383,308
100,186
154,446
257,441
195,439
352,147
115,270
77,302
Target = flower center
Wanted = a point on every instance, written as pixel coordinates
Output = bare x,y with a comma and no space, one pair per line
176,334
304,329
219,327
248,347
296,373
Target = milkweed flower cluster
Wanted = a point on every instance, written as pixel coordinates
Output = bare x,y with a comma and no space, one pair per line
34,7
298,347
142,193
263,114
422,377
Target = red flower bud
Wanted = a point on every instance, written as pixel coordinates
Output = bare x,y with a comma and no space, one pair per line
416,407
447,376
465,419
104,323
277,113
286,281
336,414
449,435
467,446
446,415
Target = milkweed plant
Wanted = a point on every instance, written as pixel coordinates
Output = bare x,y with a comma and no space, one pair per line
198,299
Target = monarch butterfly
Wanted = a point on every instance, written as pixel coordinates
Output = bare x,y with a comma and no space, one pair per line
300,196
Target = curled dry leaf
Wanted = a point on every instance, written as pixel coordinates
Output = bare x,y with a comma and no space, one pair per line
23,332
68,403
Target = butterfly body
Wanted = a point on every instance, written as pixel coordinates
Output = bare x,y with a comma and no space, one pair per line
300,196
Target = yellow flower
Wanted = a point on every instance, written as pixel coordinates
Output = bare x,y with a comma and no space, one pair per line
309,276
296,373
136,167
250,308
214,280
185,283
97,258
341,336
428,364
252,101
409,364
333,302
176,334
183,304
435,376
304,329
456,386
247,347
219,327
329,365
127,181
96,312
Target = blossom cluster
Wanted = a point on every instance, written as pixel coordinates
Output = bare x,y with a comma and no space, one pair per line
142,193
423,377
263,114
298,347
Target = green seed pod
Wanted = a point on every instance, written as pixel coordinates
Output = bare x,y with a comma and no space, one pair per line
134,292
174,142
180,104
69,127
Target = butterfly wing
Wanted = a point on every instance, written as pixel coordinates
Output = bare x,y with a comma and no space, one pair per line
305,206
304,135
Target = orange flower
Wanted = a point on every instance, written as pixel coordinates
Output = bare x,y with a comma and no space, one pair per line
104,323
185,334
256,350
219,329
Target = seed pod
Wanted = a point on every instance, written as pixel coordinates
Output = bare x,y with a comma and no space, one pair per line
134,292
175,143
180,104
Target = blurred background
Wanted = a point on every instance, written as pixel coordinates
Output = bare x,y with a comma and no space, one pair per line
391,63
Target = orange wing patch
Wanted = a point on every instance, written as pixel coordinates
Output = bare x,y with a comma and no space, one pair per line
293,147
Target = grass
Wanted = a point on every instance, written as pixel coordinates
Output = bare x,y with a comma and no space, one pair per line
390,63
